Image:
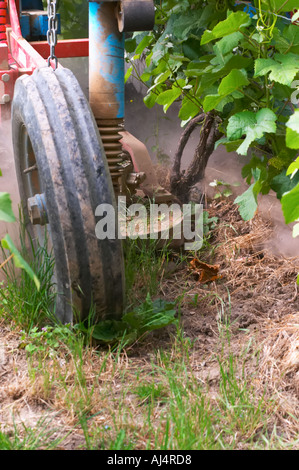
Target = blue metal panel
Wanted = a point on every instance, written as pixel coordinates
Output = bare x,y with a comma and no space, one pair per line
32,5
25,26
34,27
106,54
39,25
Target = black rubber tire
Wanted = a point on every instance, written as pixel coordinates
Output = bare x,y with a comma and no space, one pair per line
51,109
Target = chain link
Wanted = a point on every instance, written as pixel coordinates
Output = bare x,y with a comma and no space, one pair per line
52,31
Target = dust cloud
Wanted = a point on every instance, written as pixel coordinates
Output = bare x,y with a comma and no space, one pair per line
281,243
158,130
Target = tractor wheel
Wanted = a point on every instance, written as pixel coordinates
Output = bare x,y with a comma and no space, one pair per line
63,176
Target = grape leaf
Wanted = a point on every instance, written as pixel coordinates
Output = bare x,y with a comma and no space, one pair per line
248,201
288,41
293,122
235,80
279,6
290,205
293,167
292,139
232,24
228,43
283,183
188,110
169,96
254,126
292,134
283,68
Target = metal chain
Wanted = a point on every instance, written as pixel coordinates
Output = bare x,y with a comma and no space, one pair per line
52,31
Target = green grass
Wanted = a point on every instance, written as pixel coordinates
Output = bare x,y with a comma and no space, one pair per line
172,409
27,306
143,267
177,412
122,398
22,437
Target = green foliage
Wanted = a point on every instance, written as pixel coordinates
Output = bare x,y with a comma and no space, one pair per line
19,260
222,189
46,341
252,125
235,22
23,437
6,212
290,205
209,223
290,200
283,68
150,315
74,18
248,201
292,137
215,57
7,215
20,299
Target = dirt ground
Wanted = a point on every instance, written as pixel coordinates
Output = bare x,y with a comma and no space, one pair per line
255,294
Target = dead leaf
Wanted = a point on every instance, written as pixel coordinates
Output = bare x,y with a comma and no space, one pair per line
203,272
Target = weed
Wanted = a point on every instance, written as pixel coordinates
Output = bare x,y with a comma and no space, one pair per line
22,437
152,392
222,189
48,341
143,267
209,223
148,316
27,306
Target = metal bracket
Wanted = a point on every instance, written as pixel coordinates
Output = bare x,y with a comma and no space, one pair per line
135,15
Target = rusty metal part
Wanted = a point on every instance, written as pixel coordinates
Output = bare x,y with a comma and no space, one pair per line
135,15
135,179
143,164
119,162
109,131
129,166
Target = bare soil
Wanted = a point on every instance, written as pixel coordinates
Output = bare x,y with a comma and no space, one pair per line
255,301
